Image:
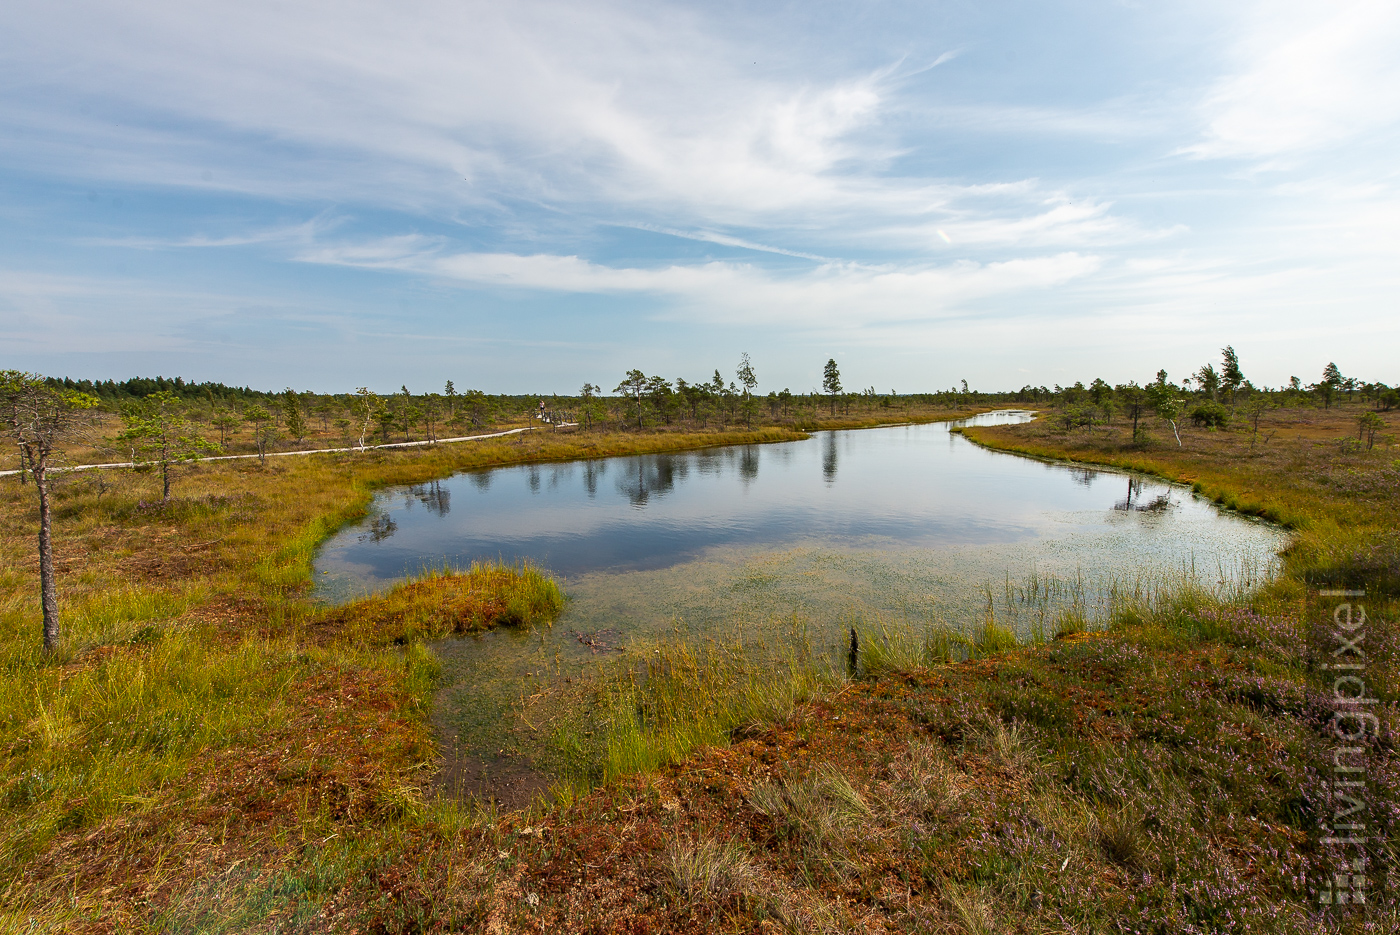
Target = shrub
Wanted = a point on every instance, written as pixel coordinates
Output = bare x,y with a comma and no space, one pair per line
1210,416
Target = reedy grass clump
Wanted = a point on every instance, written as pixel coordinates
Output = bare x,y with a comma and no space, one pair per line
442,602
822,812
886,647
710,871
682,697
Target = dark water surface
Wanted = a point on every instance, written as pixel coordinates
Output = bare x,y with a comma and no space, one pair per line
905,522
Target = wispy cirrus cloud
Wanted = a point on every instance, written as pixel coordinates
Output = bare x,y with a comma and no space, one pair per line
852,294
611,111
290,235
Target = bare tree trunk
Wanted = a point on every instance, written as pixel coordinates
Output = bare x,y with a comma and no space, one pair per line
165,481
48,588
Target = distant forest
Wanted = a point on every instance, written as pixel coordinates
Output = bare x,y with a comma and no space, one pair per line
141,387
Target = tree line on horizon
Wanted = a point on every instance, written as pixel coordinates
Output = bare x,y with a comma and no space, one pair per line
214,417
261,420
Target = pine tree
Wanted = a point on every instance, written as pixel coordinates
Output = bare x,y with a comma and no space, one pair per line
831,381
39,419
749,382
1231,377
291,404
157,427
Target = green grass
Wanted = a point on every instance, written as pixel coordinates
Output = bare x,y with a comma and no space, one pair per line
668,700
446,601
85,744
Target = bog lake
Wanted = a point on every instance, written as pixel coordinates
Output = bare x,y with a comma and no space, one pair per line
905,525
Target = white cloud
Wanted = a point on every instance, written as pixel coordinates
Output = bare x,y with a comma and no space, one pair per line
616,112
726,240
47,312
831,294
995,202
283,234
1308,77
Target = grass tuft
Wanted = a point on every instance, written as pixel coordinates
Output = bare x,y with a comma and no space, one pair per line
443,602
683,698
707,871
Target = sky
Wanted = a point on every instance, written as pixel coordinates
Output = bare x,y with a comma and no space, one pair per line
524,196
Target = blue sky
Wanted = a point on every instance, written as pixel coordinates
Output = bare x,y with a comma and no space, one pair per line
523,196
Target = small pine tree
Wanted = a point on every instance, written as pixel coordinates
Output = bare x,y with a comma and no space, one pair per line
749,382
291,405
158,426
831,382
1208,381
1231,377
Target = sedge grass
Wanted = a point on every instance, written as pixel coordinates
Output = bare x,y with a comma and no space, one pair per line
445,601
83,745
672,698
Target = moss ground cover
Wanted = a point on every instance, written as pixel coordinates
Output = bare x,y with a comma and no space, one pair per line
212,753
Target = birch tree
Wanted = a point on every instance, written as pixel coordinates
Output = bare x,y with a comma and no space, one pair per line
1166,402
1231,376
263,429
364,405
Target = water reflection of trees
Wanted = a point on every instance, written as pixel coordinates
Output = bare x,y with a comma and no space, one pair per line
829,457
651,476
592,470
481,480
1083,476
1134,502
381,527
710,462
748,462
1134,491
434,496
